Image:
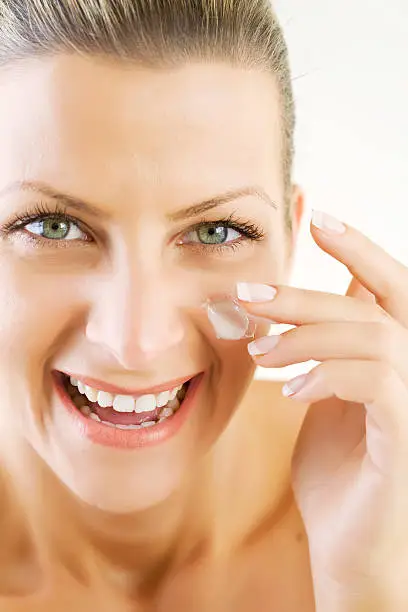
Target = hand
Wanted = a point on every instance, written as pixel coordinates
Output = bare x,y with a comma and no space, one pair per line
350,466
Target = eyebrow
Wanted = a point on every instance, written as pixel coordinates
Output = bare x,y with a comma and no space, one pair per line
48,191
187,213
219,200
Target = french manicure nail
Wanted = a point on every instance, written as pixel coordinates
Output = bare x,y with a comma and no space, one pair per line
327,223
263,345
294,386
255,292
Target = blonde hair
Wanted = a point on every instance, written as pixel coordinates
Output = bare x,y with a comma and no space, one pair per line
157,33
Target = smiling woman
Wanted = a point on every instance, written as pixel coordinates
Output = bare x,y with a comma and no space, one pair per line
145,169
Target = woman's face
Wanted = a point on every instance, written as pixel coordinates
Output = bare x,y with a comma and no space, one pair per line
105,265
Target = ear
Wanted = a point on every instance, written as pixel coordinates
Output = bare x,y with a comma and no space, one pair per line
297,208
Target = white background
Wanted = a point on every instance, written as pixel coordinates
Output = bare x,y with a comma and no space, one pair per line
350,74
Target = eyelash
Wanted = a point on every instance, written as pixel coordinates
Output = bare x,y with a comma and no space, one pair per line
249,230
41,211
38,213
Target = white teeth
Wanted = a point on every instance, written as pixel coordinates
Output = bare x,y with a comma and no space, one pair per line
91,394
149,424
105,399
95,417
146,403
124,403
162,399
108,424
174,392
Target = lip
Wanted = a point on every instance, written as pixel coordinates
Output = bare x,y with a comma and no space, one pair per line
101,434
115,390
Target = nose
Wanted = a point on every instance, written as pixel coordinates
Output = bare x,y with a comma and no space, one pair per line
135,317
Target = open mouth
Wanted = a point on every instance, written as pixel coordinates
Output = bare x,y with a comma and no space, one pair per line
124,411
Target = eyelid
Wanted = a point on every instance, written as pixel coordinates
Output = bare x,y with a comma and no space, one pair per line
39,219
248,228
209,225
39,213
250,233
38,242
71,222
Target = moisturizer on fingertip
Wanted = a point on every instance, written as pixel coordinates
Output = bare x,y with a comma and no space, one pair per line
229,320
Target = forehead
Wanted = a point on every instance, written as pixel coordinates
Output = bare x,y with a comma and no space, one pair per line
88,123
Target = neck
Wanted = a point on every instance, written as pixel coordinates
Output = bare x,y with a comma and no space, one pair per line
155,539
90,544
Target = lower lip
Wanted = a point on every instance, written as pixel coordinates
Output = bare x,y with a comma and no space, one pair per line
132,438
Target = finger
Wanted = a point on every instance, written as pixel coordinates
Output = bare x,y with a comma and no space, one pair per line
376,269
339,340
295,306
359,292
372,383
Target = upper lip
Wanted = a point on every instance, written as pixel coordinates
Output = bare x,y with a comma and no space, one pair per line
115,390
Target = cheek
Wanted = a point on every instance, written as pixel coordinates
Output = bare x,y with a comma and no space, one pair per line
233,356
35,310
233,370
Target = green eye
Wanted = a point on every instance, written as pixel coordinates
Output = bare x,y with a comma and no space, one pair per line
215,234
208,234
55,228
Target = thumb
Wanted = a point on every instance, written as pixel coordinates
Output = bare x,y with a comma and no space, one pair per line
357,290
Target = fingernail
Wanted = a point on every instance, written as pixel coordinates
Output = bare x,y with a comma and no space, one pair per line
327,223
263,345
255,292
229,320
294,386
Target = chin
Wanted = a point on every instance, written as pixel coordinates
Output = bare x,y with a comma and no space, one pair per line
118,497
133,482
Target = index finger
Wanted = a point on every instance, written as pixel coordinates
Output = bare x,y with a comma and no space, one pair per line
376,270
295,306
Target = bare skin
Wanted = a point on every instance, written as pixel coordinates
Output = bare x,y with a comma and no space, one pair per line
128,168
250,552
205,520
